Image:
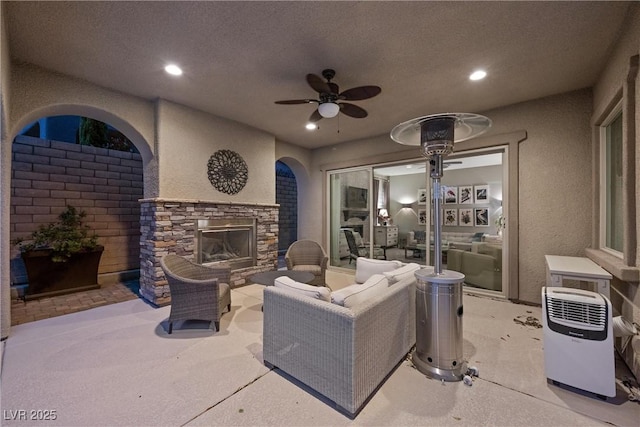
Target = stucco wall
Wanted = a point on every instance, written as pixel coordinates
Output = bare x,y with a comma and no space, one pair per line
40,93
187,138
555,181
615,73
625,296
555,176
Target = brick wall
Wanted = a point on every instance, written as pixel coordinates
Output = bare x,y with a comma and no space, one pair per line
46,176
287,198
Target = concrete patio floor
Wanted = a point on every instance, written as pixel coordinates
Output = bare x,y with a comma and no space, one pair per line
116,365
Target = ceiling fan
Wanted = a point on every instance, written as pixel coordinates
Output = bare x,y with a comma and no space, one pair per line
329,104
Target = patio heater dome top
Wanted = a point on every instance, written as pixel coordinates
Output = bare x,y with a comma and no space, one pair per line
466,126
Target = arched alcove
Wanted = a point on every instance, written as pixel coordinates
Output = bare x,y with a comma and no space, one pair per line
304,197
287,198
124,126
47,175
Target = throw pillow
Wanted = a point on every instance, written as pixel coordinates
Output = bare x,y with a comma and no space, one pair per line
366,267
357,293
401,273
290,285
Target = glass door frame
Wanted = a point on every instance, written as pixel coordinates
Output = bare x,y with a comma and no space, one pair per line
504,149
334,215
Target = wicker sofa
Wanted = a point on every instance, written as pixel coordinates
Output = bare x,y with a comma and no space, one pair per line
343,353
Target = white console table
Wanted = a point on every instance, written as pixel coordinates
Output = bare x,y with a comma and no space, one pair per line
577,268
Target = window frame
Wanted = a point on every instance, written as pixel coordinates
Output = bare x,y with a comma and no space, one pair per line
603,188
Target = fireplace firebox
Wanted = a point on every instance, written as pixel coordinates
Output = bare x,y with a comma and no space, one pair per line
229,240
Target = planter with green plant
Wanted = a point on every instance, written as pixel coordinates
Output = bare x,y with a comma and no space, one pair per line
61,257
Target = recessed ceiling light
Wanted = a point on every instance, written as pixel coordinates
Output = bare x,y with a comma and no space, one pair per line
478,75
311,126
173,69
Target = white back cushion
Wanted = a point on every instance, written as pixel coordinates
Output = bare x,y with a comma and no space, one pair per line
401,273
357,293
290,285
366,267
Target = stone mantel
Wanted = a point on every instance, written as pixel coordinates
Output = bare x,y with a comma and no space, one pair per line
212,202
169,226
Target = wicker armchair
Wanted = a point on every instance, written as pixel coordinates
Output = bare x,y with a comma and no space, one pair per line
197,292
307,255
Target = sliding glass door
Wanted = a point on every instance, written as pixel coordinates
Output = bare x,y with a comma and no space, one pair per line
385,212
350,201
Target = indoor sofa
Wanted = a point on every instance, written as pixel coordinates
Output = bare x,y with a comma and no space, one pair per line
450,239
482,267
344,352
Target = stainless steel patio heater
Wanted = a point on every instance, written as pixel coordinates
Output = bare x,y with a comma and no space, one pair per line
439,311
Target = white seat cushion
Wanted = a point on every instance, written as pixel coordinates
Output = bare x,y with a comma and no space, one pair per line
357,293
366,267
315,269
290,285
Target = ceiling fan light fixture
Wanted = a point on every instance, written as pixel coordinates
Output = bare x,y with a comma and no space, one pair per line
328,109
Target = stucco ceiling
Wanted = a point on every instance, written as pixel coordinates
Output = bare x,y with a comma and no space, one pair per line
239,57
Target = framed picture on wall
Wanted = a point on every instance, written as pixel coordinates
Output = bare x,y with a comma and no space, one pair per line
451,217
450,195
481,217
481,193
422,196
465,217
422,216
465,194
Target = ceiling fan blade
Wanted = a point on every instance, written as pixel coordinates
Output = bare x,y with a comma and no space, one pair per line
318,84
360,93
296,101
315,117
353,110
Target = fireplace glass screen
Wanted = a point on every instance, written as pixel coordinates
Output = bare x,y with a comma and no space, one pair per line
228,241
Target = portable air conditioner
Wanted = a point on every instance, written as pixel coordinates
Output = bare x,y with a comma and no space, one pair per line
578,340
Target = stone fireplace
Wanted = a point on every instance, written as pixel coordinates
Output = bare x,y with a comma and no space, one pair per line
246,234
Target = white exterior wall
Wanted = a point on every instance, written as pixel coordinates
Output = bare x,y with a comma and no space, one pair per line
625,295
187,138
554,173
5,178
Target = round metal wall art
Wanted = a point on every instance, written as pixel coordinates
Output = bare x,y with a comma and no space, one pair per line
227,171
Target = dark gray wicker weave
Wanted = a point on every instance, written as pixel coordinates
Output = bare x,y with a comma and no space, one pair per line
307,255
197,292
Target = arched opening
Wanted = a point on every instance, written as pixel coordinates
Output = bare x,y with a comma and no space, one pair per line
287,198
79,130
54,166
